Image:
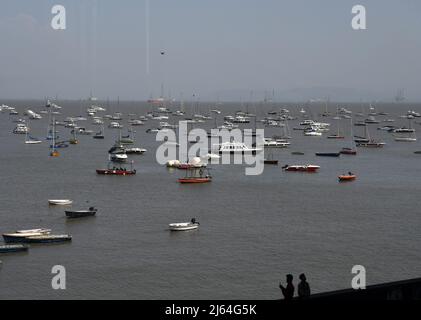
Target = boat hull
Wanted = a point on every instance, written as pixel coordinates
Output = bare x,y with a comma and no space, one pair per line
331,154
346,178
13,248
310,169
194,180
48,239
80,214
116,172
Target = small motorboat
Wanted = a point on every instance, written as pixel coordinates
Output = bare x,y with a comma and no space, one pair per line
13,248
184,226
60,202
347,177
297,153
348,151
301,168
328,154
81,213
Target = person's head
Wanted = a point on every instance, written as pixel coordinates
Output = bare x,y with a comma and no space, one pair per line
289,278
303,277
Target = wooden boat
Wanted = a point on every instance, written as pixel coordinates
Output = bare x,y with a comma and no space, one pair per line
328,154
48,238
301,168
347,177
297,153
81,213
335,136
349,151
57,202
116,172
13,248
196,175
184,226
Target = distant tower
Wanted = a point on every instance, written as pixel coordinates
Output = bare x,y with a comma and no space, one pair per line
400,96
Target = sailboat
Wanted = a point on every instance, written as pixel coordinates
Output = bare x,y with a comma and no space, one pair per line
54,152
337,135
29,139
408,134
350,150
367,142
73,140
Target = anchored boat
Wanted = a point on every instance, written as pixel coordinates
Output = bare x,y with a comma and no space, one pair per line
81,213
184,226
8,248
196,175
301,168
57,202
347,177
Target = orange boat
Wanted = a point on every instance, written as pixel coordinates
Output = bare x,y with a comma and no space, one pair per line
195,180
347,177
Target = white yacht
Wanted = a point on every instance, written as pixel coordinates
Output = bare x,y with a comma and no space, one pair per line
275,143
21,128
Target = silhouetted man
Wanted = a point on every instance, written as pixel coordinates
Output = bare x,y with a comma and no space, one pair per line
288,292
303,287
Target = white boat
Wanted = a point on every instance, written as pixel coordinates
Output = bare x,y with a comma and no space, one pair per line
31,140
21,128
39,230
275,143
135,150
312,133
184,226
406,139
236,147
60,202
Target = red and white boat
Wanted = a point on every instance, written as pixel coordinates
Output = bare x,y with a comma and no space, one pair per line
196,175
301,168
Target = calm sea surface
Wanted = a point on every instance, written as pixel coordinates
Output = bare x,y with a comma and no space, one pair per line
254,229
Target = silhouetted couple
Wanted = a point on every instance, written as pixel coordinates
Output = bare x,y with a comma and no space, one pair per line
303,288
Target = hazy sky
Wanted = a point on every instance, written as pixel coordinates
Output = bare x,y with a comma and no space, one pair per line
211,46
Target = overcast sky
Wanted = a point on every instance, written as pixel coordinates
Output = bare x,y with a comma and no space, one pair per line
211,47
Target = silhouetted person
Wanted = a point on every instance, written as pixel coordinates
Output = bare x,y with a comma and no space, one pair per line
288,291
303,287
